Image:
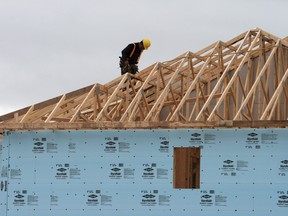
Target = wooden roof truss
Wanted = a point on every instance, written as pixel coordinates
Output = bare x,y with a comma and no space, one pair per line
242,79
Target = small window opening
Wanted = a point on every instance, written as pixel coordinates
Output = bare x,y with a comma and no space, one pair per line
186,172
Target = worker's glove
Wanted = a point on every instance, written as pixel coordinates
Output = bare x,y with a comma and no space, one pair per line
133,68
125,69
123,63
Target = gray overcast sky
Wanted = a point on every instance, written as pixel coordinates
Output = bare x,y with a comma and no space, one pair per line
52,47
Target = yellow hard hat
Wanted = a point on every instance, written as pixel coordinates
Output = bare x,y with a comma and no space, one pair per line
146,43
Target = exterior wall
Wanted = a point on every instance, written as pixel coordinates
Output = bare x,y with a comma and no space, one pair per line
130,172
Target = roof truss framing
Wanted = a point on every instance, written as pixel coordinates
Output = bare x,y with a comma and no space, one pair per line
244,79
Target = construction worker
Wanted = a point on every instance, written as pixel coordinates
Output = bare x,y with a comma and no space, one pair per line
131,55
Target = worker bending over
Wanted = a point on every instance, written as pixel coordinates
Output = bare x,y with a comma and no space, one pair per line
131,55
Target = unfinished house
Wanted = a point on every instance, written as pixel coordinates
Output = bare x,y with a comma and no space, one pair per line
202,134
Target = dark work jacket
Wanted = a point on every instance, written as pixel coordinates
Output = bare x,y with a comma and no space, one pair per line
126,53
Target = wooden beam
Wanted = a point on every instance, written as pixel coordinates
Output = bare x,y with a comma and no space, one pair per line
192,85
112,97
274,97
55,108
221,79
104,125
127,114
233,78
157,105
27,114
257,80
